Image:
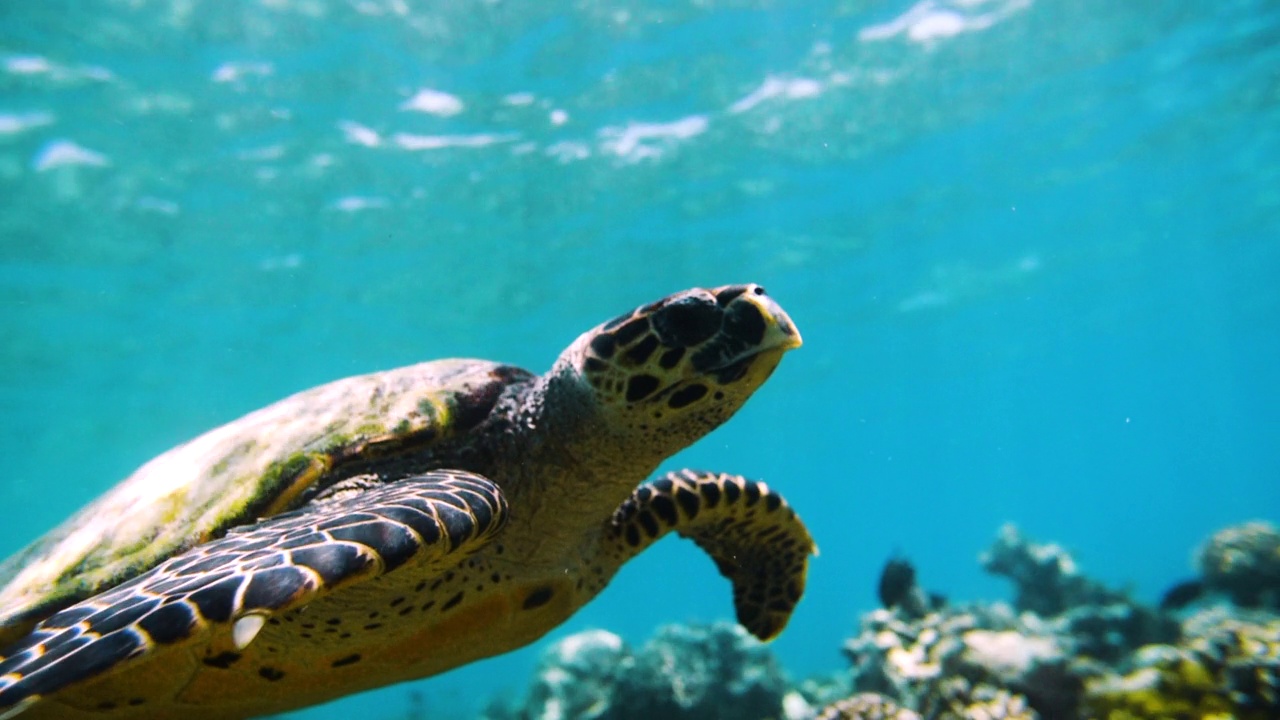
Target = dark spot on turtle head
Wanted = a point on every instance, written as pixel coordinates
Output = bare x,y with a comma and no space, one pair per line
451,602
714,356
686,396
688,321
640,387
604,345
727,294
614,323
733,372
270,673
628,333
744,322
648,309
671,358
642,350
595,365
536,599
347,660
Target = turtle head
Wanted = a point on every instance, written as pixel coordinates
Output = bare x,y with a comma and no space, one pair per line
671,371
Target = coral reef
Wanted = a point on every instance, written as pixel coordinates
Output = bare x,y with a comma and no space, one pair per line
1226,665
1068,648
1094,621
716,671
577,677
866,706
991,660
1243,562
959,662
1045,577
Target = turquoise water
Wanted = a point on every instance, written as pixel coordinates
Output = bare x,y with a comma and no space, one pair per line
1033,247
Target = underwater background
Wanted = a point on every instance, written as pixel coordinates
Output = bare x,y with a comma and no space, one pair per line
1033,247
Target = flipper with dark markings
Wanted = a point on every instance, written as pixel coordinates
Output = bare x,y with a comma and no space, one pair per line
223,589
756,539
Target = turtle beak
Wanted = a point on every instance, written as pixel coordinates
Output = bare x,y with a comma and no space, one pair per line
755,322
753,329
779,331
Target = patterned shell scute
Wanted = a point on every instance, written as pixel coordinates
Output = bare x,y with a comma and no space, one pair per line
249,468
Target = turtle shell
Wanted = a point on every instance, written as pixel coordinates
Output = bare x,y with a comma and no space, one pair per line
267,462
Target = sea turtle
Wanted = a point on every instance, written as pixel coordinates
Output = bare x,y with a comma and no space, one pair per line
396,525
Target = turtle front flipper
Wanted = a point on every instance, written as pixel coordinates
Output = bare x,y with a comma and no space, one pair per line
220,594
754,537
